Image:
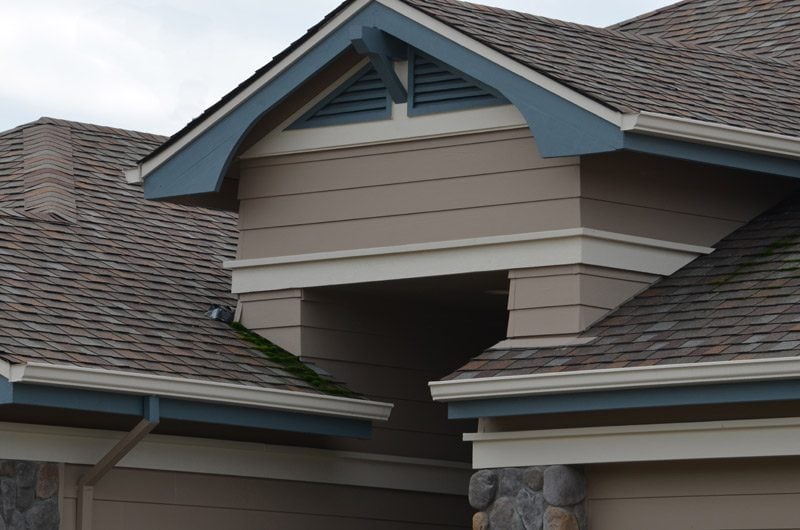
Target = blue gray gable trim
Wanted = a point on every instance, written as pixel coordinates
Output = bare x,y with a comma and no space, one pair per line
561,128
74,399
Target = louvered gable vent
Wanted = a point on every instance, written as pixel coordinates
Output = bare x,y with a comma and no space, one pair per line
363,98
438,88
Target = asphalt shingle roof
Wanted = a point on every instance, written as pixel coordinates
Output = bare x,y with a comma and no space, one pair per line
740,302
113,281
763,27
629,72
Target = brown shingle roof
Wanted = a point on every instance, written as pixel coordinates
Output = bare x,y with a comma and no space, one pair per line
123,286
763,27
629,72
740,302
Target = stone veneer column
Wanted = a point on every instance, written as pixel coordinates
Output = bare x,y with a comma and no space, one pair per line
28,495
532,498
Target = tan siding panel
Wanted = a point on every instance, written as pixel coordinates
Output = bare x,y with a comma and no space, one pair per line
719,495
132,499
408,198
657,224
407,229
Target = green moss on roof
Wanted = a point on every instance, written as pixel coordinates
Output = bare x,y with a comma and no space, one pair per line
292,364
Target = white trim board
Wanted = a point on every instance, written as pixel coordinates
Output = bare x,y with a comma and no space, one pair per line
616,378
537,249
191,389
637,443
241,459
655,124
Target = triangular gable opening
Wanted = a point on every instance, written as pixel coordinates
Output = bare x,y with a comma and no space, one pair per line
435,87
362,98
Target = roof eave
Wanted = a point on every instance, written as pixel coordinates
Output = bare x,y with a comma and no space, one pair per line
662,125
194,390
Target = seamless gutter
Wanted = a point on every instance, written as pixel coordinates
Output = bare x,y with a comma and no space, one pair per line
193,390
616,379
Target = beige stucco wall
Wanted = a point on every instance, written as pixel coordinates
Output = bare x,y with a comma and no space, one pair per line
129,499
753,494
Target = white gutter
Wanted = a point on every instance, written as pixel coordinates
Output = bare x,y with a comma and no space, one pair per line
655,124
616,379
194,390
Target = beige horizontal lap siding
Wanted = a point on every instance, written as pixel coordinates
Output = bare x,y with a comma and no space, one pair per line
753,494
134,499
408,192
672,200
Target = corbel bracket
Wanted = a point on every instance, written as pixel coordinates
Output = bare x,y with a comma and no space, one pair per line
381,48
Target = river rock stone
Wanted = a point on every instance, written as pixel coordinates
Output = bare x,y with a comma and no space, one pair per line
482,489
7,468
18,522
26,474
8,497
559,519
43,515
510,482
533,478
480,521
504,516
564,486
530,506
47,483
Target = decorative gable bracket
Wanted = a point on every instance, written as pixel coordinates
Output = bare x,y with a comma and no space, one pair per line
382,49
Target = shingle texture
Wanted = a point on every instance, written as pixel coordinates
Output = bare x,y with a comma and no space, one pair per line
764,27
124,283
740,302
629,72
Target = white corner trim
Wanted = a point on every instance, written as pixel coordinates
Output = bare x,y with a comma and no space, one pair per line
616,378
134,175
711,133
239,459
536,249
207,391
637,443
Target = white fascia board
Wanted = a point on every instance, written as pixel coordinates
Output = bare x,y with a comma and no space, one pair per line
526,72
655,124
637,443
194,390
616,379
518,251
238,459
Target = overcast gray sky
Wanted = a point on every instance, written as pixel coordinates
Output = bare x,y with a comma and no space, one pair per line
153,65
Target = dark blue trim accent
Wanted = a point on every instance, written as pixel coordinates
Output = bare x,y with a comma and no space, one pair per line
264,419
478,95
381,49
154,408
718,156
375,108
628,399
560,127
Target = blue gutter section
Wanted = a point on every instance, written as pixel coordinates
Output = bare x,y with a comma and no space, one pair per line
154,408
561,128
641,398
